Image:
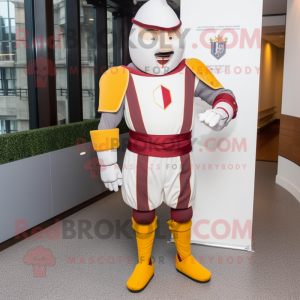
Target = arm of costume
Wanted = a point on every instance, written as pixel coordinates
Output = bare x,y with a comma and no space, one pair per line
211,90
107,129
113,86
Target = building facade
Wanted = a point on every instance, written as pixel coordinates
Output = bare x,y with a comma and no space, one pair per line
14,102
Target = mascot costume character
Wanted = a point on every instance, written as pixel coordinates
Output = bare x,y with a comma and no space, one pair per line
156,94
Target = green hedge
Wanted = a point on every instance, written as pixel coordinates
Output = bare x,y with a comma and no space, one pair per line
20,145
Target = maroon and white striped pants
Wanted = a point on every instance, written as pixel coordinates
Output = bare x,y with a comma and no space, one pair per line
148,181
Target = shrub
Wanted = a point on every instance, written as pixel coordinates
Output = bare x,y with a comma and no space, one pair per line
24,144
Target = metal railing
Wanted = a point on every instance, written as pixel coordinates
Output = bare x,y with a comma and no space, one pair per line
24,92
14,92
9,57
86,93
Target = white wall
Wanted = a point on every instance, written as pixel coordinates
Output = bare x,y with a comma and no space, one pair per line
271,77
289,172
289,176
291,103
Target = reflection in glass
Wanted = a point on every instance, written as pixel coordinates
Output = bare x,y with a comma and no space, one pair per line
14,114
87,59
110,40
60,60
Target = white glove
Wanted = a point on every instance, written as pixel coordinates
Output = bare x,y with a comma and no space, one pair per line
218,117
109,169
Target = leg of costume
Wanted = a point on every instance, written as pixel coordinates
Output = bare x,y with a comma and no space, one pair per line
144,270
185,262
144,217
182,215
144,189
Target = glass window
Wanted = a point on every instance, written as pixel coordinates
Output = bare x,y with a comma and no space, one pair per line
8,73
14,113
8,126
12,27
87,59
60,61
4,31
3,9
12,8
8,81
5,49
13,49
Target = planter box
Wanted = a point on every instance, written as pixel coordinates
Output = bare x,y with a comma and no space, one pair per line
36,189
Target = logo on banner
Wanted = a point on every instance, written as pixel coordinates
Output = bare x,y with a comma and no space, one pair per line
218,46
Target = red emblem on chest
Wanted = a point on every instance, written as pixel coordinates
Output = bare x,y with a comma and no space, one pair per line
162,97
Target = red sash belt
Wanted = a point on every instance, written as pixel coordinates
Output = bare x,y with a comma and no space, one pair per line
160,145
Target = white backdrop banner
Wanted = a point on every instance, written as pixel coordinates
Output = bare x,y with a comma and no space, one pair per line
226,36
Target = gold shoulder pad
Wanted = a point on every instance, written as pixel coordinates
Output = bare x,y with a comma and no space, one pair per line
113,85
203,73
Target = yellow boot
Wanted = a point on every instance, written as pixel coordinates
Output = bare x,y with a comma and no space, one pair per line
185,262
144,270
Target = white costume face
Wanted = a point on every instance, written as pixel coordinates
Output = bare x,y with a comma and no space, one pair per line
156,52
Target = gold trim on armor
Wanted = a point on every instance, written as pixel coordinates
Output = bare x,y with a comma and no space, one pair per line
203,73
